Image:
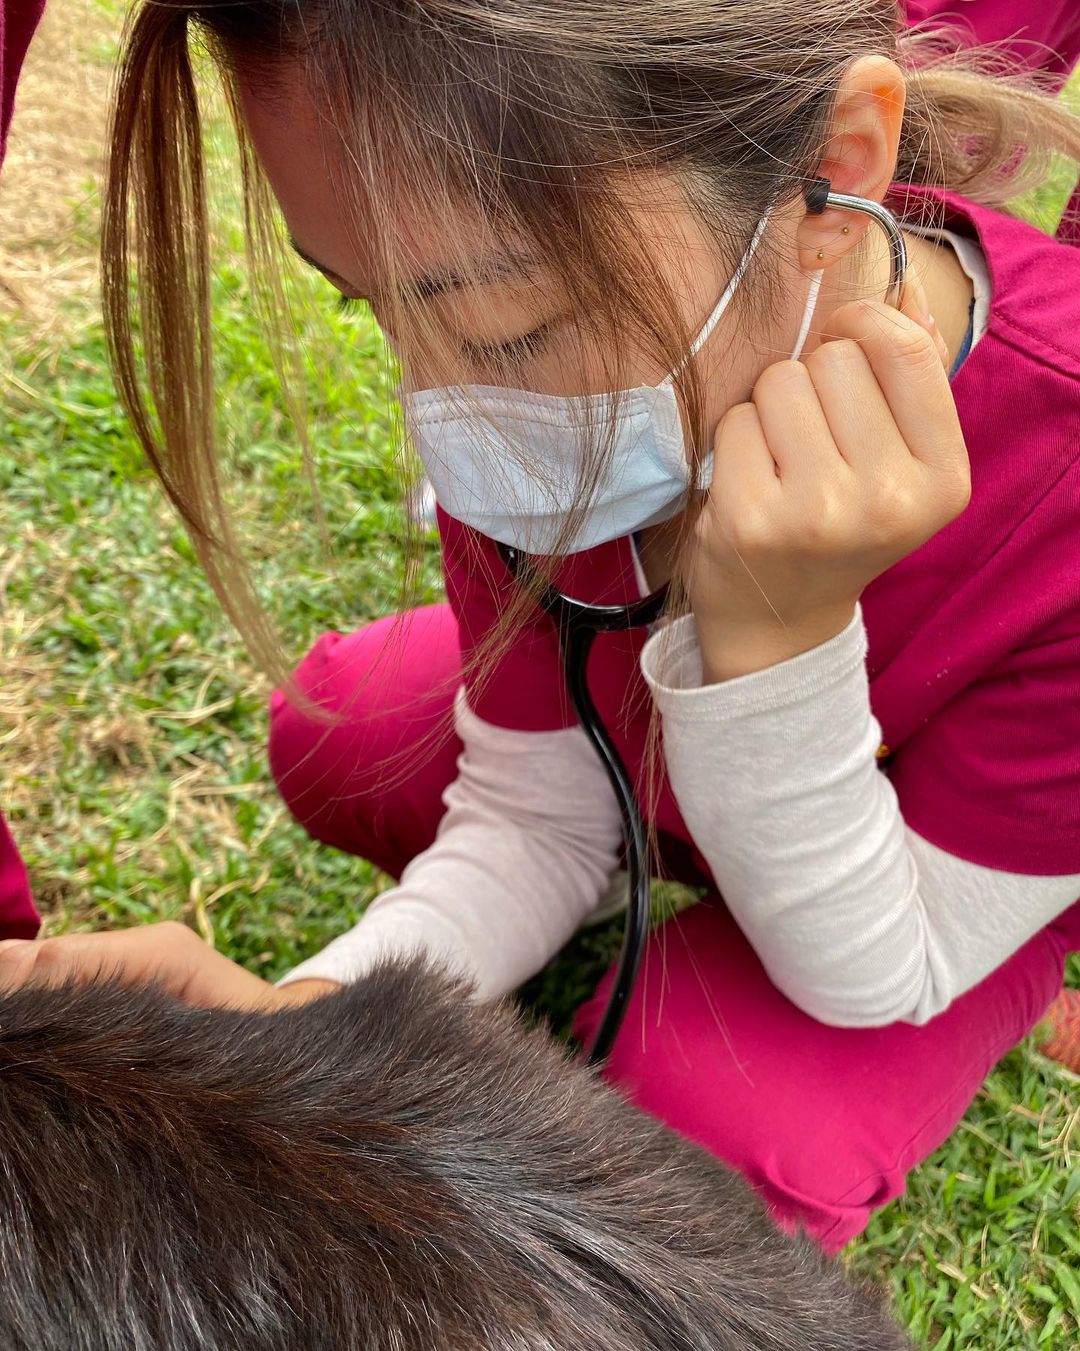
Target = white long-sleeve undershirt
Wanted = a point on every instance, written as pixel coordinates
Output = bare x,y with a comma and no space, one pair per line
530,838
858,920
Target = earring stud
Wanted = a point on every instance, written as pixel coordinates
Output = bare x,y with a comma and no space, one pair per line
846,230
821,256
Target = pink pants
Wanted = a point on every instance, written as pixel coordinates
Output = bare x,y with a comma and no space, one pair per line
825,1121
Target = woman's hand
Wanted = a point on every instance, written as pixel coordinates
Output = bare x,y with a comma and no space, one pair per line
839,467
170,956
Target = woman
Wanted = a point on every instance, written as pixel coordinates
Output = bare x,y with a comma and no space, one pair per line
867,690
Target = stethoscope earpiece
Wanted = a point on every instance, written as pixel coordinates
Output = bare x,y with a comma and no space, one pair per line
818,195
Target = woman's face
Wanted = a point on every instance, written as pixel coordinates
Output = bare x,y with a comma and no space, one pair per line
500,316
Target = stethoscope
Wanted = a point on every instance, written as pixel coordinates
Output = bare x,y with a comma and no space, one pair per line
579,624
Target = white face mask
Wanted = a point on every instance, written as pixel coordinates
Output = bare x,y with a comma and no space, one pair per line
509,463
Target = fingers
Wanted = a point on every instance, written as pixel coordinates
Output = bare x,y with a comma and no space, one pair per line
168,955
875,389
53,961
826,415
906,363
156,953
915,306
745,468
18,957
854,408
794,421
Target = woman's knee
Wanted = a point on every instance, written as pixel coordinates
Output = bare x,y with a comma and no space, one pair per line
824,1122
317,727
370,722
814,1163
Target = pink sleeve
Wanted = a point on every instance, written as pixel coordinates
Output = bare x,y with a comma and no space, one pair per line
995,777
516,683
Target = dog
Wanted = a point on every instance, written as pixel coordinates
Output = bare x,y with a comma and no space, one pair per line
390,1168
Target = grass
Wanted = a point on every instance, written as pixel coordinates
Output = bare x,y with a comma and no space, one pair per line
132,733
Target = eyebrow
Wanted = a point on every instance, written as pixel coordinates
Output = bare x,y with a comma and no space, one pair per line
434,283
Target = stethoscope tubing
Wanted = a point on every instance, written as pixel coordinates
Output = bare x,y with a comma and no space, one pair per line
578,625
882,216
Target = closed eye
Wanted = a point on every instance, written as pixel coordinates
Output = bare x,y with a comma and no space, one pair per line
510,353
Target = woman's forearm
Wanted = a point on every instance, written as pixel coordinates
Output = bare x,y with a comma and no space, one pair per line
530,837
859,921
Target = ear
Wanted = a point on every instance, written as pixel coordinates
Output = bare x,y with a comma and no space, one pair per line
859,157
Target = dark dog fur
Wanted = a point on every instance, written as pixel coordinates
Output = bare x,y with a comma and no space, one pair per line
389,1169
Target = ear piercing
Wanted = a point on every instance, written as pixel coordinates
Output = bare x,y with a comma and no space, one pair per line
846,230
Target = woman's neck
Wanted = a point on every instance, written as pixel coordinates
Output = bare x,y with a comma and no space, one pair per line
949,289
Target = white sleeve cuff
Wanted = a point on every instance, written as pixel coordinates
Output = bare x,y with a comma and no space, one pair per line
402,928
671,664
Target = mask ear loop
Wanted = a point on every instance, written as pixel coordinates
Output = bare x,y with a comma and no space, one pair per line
729,291
705,469
707,329
808,313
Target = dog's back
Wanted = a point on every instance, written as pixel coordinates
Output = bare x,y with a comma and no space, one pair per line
390,1169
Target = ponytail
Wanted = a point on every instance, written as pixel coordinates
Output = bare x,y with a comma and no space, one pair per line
974,130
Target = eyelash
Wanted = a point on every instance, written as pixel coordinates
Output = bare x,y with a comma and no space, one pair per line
504,353
508,353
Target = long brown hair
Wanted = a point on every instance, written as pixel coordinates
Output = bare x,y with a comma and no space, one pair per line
529,115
